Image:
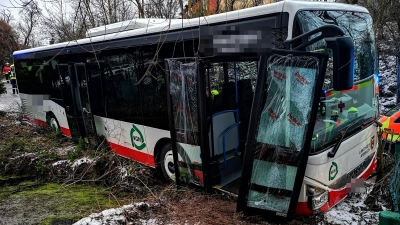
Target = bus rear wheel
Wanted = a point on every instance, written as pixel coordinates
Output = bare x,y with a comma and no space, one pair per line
167,162
52,122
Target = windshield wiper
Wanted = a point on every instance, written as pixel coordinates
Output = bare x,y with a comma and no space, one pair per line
332,153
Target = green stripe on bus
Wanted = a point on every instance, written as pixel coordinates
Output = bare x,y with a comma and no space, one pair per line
365,84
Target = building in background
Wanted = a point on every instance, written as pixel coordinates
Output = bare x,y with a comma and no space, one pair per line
210,7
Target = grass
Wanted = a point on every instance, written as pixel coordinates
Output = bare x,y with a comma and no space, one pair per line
15,144
78,151
11,146
60,203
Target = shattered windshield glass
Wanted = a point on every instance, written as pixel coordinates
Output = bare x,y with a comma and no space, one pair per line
282,130
337,108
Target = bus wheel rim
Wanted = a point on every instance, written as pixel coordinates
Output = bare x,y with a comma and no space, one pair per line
169,164
53,123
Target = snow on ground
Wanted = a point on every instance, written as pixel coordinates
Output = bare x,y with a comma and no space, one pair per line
119,216
353,210
387,82
84,160
61,162
9,102
64,151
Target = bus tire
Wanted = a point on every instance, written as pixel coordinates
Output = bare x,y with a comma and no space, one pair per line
52,122
167,162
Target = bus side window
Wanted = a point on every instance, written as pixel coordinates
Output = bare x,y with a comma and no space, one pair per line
123,100
397,120
153,91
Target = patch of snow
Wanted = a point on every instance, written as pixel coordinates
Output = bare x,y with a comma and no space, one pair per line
64,151
25,155
84,160
389,102
61,162
123,172
117,216
388,78
9,102
352,210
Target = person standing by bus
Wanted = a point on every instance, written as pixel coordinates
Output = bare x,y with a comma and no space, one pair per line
6,71
13,80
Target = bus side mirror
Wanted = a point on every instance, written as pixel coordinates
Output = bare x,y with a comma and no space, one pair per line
343,62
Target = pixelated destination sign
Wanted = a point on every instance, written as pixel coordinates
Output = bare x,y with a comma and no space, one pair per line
235,40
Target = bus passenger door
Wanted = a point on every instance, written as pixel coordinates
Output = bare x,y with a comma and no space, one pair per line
69,101
282,119
188,136
81,90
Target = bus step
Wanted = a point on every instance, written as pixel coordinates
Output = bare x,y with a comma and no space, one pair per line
233,165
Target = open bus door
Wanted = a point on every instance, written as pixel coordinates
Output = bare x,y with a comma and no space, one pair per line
77,102
188,135
204,142
283,115
69,101
84,109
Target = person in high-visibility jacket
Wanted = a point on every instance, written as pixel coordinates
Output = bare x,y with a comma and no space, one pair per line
13,80
6,72
352,113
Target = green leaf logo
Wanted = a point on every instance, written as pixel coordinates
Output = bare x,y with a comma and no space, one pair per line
137,139
333,171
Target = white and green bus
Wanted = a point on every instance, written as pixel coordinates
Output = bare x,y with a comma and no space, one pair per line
275,104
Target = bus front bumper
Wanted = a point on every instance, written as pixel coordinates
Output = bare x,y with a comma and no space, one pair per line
334,196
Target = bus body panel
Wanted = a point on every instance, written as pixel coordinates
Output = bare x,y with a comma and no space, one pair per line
358,151
130,140
351,153
335,195
60,114
35,108
126,139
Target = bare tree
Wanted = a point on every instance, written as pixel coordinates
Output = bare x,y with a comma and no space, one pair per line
62,23
29,20
6,16
162,9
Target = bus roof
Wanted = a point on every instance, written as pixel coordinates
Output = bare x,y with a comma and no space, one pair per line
290,6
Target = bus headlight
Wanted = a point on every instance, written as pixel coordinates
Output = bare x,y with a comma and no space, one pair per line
317,197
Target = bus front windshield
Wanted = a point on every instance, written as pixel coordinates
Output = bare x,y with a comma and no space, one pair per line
337,110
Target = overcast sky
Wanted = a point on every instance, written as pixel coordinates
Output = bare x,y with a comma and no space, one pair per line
11,5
